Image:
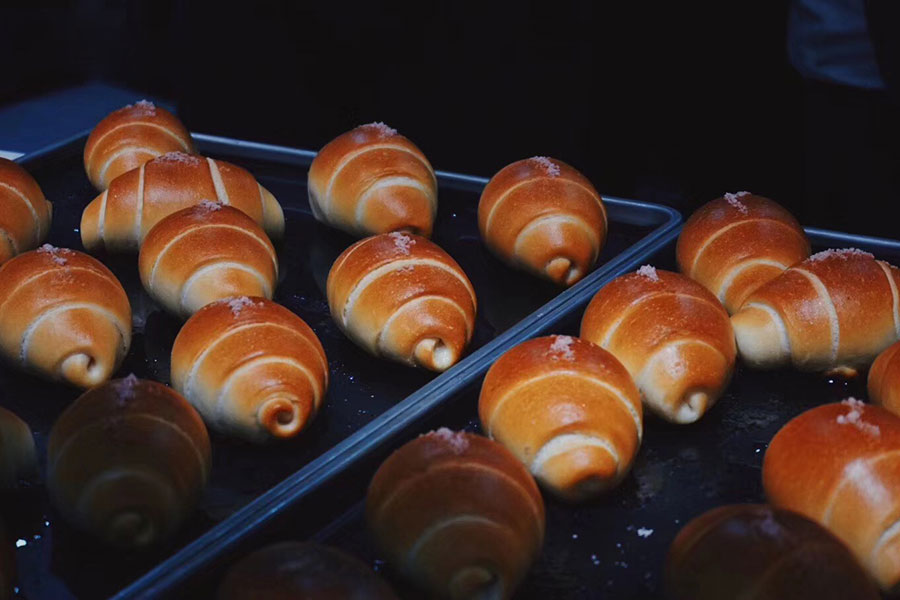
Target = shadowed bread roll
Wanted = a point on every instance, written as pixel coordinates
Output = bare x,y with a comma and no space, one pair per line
400,296
24,212
736,243
373,180
64,315
120,218
457,514
18,458
568,410
251,367
671,334
884,379
541,215
205,253
127,138
836,310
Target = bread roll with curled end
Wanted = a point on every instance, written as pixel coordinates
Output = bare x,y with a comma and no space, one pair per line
568,410
251,367
119,219
736,243
399,296
205,253
839,464
18,458
372,180
24,212
127,462
671,334
292,570
541,215
757,552
884,379
64,315
457,514
130,136
834,311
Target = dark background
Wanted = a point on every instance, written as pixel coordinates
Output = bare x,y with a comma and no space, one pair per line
656,101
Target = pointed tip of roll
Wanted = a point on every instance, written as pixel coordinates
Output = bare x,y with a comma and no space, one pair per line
83,370
434,354
563,271
282,417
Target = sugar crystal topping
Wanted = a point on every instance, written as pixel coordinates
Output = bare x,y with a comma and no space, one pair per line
649,272
54,253
842,253
456,440
237,305
855,417
383,130
178,157
210,205
735,201
127,388
549,166
142,108
561,348
402,242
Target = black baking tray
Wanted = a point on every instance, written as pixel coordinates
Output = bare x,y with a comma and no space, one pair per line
251,484
613,547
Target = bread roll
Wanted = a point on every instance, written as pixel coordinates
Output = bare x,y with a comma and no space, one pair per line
24,212
64,315
839,464
401,297
736,243
251,367
756,552
568,410
127,138
671,334
835,310
295,570
541,215
884,379
18,458
373,180
119,219
457,514
127,462
205,253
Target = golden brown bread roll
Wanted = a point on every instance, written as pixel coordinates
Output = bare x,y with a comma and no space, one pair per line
457,514
372,180
120,218
568,410
671,334
884,379
757,552
839,464
205,253
835,310
64,315
400,296
18,458
24,212
294,570
736,243
251,367
541,215
127,462
130,136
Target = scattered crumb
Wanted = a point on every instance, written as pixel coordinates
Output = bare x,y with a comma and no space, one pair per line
549,166
842,253
210,205
644,532
734,200
239,304
178,157
382,129
54,253
561,348
455,439
649,272
402,242
854,417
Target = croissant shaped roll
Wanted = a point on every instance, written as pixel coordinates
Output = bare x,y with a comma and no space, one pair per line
836,310
127,138
457,514
127,462
251,367
671,334
205,253
401,297
120,218
884,379
64,315
24,212
542,215
18,458
736,243
373,180
568,410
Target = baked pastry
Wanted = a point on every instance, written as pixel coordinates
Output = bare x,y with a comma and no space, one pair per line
251,367
457,514
372,180
401,297
18,458
24,212
884,379
127,462
64,315
541,215
205,253
671,334
130,136
568,410
119,219
736,243
835,310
